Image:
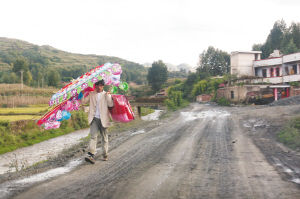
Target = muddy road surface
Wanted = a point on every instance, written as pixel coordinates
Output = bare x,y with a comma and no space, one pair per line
202,151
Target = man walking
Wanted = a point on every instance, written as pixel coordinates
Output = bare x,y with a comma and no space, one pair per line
99,120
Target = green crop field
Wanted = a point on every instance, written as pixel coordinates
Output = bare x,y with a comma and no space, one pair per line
33,109
13,118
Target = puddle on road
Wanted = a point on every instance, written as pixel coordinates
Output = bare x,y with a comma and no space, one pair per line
152,116
51,173
296,180
138,132
28,156
287,170
7,187
255,123
189,116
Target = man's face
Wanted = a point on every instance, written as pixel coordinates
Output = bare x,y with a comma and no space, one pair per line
99,88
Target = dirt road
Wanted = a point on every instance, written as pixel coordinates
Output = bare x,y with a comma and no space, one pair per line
200,152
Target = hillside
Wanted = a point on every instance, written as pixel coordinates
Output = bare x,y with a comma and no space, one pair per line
52,58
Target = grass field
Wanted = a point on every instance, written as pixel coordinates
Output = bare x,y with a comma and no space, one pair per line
32,109
13,118
28,113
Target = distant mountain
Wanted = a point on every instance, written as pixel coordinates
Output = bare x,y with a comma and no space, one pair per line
183,66
147,65
51,58
174,68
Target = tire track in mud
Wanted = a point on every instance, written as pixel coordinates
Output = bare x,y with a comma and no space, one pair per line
165,176
174,175
258,178
212,178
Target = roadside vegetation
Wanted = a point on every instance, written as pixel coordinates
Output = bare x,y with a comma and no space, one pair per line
146,111
290,134
223,101
14,135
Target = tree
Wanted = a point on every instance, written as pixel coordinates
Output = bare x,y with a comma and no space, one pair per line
53,78
157,75
27,77
256,47
20,64
188,85
13,78
200,88
295,34
214,62
287,40
276,34
290,47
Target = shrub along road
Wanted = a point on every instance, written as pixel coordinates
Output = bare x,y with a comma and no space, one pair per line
198,152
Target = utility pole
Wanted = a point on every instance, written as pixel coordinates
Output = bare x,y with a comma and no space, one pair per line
21,71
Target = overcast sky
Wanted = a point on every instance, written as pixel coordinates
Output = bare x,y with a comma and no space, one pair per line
175,31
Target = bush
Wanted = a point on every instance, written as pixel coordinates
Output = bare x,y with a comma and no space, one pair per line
170,104
223,102
146,111
290,134
5,123
297,84
79,120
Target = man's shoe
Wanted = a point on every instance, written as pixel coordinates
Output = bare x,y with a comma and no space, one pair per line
90,158
105,158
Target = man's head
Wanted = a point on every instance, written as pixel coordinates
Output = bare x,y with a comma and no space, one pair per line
99,85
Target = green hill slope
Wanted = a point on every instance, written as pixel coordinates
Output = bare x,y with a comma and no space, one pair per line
42,59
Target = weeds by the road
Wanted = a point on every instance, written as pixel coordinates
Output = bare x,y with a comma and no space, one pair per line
15,165
146,111
223,101
290,134
20,135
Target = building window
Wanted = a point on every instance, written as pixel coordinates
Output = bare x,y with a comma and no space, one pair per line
277,72
286,70
272,72
256,71
264,72
294,70
232,94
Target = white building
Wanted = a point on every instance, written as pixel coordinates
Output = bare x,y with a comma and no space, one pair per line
277,69
241,62
274,70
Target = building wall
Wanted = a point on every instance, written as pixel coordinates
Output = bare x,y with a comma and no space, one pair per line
272,80
291,57
237,93
242,64
291,78
268,62
203,98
